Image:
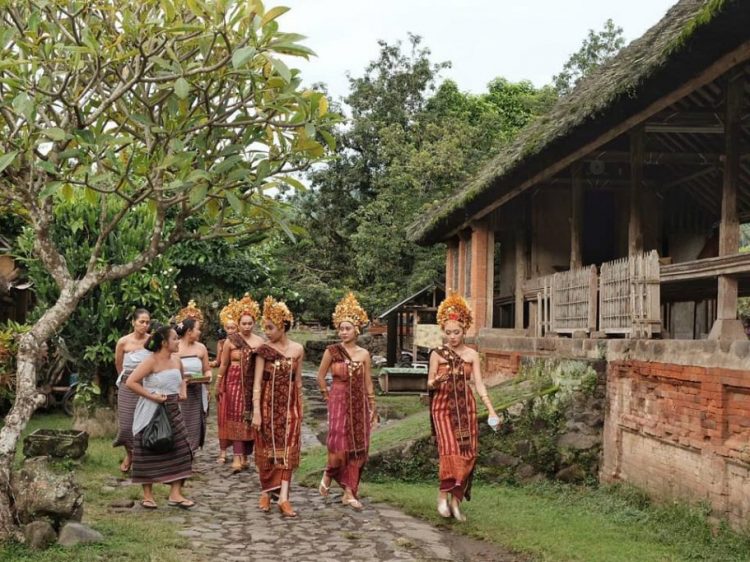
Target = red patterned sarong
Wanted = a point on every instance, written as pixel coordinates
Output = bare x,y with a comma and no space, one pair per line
454,419
348,420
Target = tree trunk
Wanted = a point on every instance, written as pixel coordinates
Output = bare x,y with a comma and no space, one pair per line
27,400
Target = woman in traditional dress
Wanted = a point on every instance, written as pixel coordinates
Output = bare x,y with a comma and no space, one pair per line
230,327
277,408
158,380
453,367
235,382
194,357
351,402
129,353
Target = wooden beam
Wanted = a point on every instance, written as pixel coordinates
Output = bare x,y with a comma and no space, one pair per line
576,216
657,158
520,269
635,220
709,268
690,177
719,67
661,128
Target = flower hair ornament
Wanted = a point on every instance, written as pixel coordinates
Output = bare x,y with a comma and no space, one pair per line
247,306
454,307
349,310
276,312
190,311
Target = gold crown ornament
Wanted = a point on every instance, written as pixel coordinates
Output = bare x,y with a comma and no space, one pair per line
276,312
454,307
349,310
230,313
248,306
190,311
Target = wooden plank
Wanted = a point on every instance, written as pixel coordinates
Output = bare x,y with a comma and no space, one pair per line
736,264
520,277
715,70
635,221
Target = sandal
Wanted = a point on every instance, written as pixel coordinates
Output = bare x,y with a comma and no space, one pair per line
236,465
222,458
149,504
286,509
323,489
354,503
182,504
264,504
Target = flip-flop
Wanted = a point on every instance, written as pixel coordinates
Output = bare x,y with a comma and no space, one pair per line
149,504
184,504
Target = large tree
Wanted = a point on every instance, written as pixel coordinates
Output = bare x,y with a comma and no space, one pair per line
187,110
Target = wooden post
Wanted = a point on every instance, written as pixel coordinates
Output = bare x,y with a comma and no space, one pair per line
727,326
392,342
480,270
520,273
635,222
576,216
414,337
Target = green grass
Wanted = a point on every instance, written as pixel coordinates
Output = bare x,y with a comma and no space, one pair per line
563,523
124,532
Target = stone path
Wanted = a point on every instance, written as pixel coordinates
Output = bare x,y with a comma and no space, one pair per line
226,524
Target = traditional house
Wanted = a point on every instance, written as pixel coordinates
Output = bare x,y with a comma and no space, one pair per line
615,218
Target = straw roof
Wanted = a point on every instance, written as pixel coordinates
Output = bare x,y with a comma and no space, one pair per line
692,35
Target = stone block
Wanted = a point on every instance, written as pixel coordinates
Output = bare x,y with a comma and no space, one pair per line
39,535
76,533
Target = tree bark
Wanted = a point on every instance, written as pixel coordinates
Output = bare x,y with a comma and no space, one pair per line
27,400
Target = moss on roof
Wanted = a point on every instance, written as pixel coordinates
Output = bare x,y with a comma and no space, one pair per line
620,78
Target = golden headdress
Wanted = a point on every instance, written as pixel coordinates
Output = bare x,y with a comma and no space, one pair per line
277,312
190,311
454,307
230,313
349,310
248,305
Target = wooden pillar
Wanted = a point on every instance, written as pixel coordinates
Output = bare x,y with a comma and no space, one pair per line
452,248
576,216
521,237
727,326
392,342
461,288
480,248
635,222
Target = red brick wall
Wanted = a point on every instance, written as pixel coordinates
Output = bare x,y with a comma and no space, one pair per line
500,365
680,431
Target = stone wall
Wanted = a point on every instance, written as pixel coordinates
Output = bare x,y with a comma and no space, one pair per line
677,419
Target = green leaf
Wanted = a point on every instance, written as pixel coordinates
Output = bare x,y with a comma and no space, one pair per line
50,189
241,56
54,133
273,13
67,192
24,105
292,182
7,158
91,196
181,88
198,194
235,202
282,69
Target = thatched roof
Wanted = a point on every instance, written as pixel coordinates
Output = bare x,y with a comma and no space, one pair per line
692,35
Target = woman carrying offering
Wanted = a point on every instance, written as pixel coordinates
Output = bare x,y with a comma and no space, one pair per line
453,410
194,357
235,381
277,408
129,353
351,402
230,327
158,380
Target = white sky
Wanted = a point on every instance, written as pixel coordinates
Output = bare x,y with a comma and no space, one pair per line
483,39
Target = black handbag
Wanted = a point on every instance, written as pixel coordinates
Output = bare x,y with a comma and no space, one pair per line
158,435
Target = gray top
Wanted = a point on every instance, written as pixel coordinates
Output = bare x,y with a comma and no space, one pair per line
164,382
130,361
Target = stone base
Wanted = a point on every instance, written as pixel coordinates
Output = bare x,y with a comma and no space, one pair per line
727,329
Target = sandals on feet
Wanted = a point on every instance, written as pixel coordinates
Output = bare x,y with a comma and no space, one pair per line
264,503
149,504
286,509
443,509
323,489
354,503
182,504
222,458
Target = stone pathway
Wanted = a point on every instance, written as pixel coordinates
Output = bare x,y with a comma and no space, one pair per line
226,524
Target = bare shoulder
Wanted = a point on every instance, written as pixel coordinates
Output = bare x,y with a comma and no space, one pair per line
470,355
202,349
296,349
363,354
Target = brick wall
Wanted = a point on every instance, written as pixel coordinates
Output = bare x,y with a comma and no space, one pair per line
680,431
500,365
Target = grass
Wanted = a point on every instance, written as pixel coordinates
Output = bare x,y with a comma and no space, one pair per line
124,532
564,523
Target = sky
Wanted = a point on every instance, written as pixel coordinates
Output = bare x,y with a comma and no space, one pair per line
483,39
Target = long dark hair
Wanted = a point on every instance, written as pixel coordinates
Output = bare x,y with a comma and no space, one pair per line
159,336
185,326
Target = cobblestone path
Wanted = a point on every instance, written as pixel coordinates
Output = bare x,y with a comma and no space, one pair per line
226,525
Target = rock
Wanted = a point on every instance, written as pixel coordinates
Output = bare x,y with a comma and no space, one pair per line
525,471
60,443
103,422
571,474
523,448
41,491
76,533
578,441
39,535
498,458
122,503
